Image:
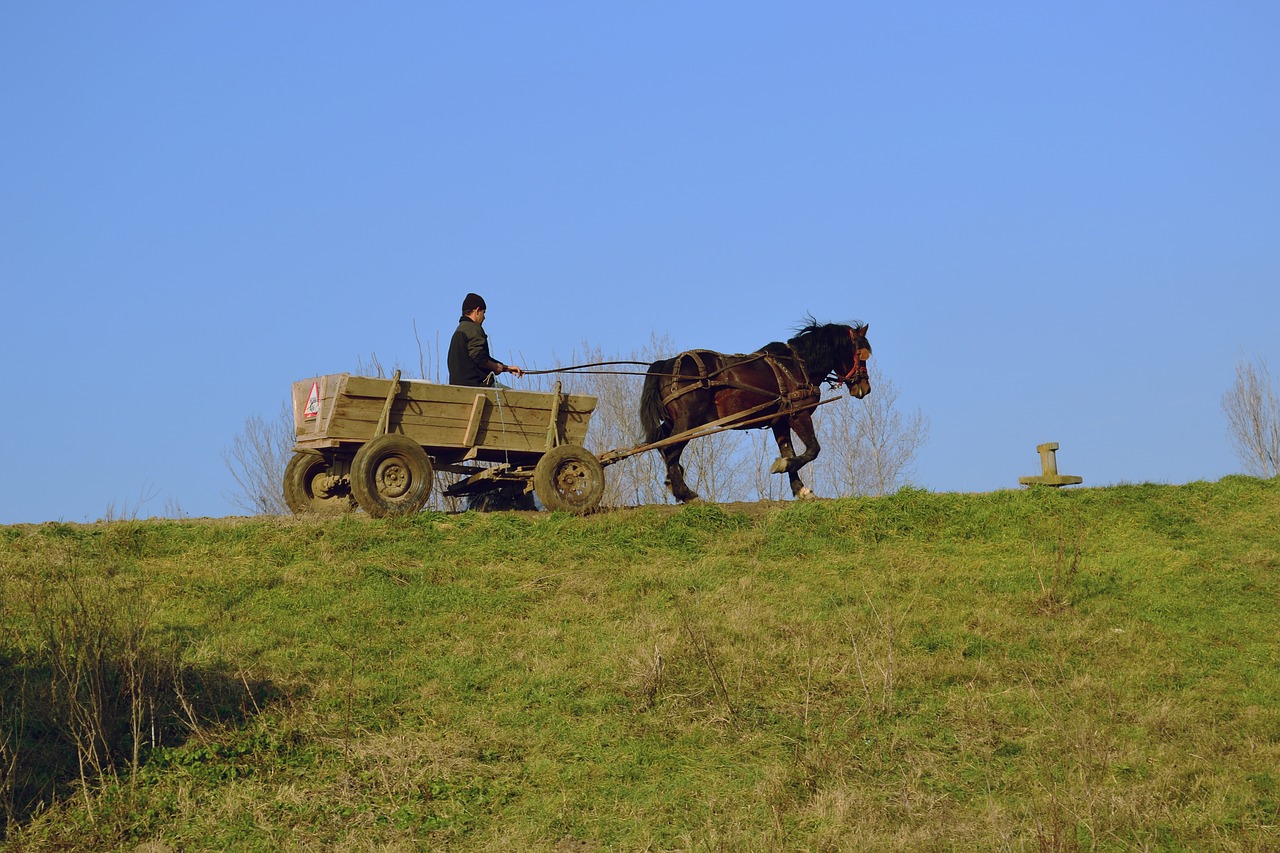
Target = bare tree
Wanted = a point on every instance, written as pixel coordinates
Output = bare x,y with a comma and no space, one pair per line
868,446
1253,418
719,466
257,459
636,480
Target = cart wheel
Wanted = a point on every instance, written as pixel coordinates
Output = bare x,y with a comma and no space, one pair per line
308,487
391,475
569,478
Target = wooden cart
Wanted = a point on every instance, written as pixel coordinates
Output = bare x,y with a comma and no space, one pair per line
377,443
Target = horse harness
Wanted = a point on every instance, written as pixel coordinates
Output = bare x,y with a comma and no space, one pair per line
801,394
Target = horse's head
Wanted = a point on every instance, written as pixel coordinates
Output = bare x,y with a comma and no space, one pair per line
851,366
836,353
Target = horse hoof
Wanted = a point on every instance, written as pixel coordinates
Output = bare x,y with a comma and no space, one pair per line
805,494
779,466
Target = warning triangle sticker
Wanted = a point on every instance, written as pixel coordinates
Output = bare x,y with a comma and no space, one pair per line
312,409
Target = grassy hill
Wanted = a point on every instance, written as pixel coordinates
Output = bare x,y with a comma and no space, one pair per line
1038,669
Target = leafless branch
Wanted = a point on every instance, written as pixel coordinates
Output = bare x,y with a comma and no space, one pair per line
1253,417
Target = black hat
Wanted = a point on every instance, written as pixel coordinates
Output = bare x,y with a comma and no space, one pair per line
472,302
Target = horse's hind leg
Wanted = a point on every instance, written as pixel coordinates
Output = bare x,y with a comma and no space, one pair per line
675,473
782,435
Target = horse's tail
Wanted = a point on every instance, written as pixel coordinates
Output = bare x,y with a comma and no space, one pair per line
651,410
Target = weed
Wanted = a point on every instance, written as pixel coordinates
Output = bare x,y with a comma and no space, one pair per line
702,648
647,679
874,656
1066,566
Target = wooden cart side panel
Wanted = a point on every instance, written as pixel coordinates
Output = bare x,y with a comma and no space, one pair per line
446,416
313,404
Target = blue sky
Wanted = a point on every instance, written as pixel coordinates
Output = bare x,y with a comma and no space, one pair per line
1060,219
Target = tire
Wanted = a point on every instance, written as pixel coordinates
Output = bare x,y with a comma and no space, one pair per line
391,475
569,478
307,488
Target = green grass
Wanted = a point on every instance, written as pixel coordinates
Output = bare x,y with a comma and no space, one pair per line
1039,669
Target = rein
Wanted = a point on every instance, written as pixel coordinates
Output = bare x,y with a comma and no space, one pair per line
574,367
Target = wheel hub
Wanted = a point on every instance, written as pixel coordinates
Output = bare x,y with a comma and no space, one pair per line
322,485
571,478
393,478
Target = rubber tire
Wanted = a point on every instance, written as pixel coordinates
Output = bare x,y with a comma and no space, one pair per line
301,497
391,475
569,478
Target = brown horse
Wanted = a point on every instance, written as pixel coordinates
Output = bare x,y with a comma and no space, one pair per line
776,386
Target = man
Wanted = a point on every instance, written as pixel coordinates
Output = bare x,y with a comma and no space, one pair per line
469,359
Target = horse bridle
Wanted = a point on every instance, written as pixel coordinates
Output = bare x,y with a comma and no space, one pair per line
858,370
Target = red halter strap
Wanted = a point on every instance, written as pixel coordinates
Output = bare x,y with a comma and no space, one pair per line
858,367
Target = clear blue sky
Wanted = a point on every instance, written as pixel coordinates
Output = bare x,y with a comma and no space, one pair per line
1062,220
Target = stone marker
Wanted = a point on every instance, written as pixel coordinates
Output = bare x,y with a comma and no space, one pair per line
1049,475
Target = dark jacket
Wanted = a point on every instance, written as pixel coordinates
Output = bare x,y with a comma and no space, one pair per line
469,359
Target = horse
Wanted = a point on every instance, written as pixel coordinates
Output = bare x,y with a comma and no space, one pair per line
776,387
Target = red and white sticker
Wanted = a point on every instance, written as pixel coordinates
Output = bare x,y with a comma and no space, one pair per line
312,409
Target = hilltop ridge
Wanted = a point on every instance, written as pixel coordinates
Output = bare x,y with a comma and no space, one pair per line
1057,669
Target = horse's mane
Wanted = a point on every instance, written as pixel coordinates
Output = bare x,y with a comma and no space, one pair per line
816,342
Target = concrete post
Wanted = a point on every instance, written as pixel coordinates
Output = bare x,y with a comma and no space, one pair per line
1049,475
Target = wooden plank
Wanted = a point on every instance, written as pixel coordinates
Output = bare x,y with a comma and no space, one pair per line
473,424
317,442
553,424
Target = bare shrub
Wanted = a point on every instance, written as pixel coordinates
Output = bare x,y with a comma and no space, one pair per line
129,510
257,459
869,445
1253,418
109,671
92,682
99,680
